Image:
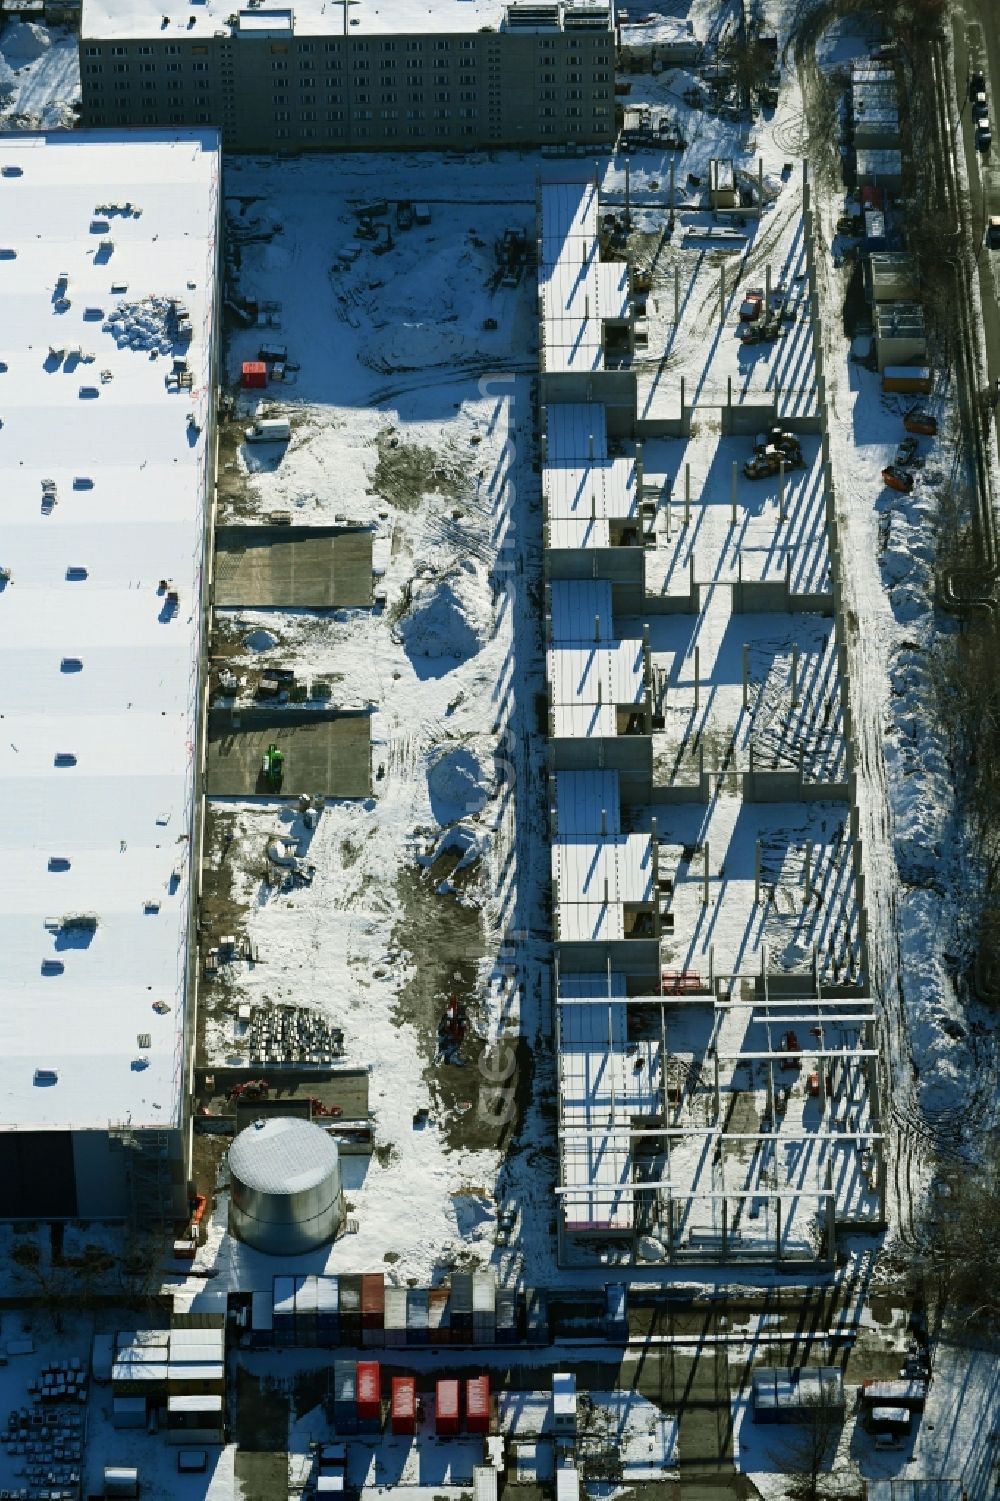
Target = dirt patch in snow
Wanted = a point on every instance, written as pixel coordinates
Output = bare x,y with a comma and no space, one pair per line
446,937
406,472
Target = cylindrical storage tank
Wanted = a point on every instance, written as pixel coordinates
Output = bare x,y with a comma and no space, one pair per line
285,1188
404,1404
446,1413
477,1404
369,1390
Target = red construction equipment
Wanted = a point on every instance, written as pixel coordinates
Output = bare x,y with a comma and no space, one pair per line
253,1089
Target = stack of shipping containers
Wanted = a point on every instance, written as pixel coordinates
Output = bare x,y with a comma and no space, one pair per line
484,1308
461,1308
438,1321
373,1309
369,1392
395,1316
345,1395
417,1316
447,1416
536,1316
327,1311
350,1310
261,1319
506,1316
404,1405
283,1306
305,1311
477,1404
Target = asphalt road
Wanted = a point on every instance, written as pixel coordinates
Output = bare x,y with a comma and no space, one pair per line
977,44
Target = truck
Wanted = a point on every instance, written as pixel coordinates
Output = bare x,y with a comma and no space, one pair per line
269,430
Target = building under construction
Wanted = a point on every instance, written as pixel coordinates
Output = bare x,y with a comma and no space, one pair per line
717,1045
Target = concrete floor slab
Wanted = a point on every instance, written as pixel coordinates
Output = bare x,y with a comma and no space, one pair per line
326,754
289,566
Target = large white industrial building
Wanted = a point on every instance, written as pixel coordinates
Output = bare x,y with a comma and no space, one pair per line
108,344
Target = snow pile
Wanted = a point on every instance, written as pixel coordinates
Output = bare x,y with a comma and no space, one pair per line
39,77
446,618
24,42
458,784
142,325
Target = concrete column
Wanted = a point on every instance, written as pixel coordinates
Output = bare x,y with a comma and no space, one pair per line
697,675
704,895
781,492
795,677
808,876
767,283
746,673
756,873
677,291
733,489
722,293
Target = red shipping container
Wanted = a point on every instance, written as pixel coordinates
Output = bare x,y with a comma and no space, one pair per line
372,1300
477,1404
404,1404
369,1390
254,375
446,1414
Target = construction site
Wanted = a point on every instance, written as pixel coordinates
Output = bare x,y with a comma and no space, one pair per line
719,1074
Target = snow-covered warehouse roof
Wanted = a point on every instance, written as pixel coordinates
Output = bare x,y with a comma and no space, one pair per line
104,468
164,19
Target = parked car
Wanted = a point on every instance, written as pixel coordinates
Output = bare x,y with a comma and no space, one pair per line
980,107
977,83
993,232
984,136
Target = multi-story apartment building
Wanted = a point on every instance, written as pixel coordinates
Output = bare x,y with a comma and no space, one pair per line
351,75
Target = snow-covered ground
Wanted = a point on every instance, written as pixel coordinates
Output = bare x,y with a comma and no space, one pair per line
410,414
39,77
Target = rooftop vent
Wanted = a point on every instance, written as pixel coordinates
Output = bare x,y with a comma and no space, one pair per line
75,575
71,664
64,758
46,1076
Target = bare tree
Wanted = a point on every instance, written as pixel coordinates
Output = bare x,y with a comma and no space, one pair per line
962,1246
805,1454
